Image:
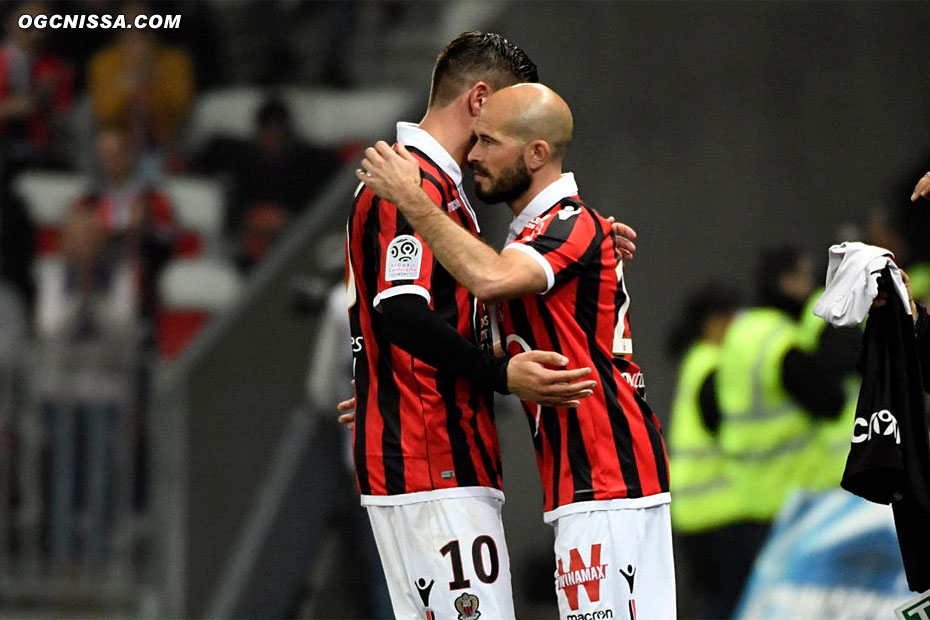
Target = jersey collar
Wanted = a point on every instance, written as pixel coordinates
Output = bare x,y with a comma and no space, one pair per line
411,135
543,201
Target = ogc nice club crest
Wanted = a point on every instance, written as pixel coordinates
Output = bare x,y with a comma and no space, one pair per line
467,606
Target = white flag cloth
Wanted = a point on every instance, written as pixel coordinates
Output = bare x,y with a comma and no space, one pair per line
852,282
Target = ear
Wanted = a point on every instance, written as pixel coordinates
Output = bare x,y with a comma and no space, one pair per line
477,95
536,154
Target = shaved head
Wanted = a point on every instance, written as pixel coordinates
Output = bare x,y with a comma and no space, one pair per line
521,135
530,112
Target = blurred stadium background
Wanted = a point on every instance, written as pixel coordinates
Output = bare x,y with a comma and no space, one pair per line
168,447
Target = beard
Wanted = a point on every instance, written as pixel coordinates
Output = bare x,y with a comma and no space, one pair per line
511,183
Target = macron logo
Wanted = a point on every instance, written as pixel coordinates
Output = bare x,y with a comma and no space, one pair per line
880,423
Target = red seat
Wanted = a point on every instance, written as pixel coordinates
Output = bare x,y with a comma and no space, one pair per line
47,240
177,328
192,291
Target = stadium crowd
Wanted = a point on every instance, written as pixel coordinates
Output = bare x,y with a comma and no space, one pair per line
123,233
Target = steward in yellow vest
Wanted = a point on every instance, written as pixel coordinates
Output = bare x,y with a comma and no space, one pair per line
703,499
772,394
699,483
773,390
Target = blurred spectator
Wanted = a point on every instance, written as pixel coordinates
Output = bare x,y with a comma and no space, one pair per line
95,316
36,92
274,176
144,88
115,241
773,396
706,502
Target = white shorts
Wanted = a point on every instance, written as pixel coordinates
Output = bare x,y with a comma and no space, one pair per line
615,563
444,555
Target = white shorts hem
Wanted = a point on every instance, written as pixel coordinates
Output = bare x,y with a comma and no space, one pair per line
429,496
624,503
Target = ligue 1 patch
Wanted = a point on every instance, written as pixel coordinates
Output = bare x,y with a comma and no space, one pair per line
454,205
467,606
403,259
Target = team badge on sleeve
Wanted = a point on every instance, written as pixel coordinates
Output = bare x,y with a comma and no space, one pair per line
467,606
403,259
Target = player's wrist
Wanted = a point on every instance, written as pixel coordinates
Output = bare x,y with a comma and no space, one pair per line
501,385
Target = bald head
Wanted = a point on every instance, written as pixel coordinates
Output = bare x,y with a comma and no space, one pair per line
530,112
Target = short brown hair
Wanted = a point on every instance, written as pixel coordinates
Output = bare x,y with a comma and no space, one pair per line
478,56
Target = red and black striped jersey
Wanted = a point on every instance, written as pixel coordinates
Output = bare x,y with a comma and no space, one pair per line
611,447
417,428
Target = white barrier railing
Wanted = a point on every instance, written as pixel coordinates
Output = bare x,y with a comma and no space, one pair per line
72,527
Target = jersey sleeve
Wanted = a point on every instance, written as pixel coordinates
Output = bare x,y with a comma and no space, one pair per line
406,261
561,242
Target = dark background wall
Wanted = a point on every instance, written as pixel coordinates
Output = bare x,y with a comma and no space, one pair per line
717,129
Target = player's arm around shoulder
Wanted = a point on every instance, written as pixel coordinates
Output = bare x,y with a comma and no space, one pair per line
514,274
491,277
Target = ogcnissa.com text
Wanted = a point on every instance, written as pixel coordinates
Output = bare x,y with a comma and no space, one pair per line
68,22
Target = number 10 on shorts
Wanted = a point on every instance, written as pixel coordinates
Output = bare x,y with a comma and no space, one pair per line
484,559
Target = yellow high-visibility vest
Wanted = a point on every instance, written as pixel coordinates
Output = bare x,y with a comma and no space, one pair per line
764,434
703,497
